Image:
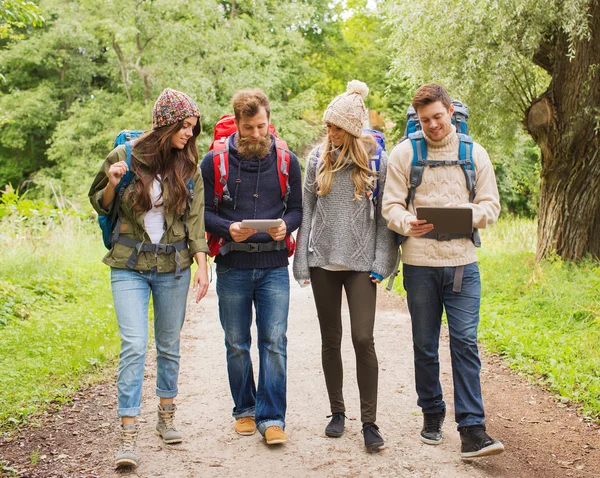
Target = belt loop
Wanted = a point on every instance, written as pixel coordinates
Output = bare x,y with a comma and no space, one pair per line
458,277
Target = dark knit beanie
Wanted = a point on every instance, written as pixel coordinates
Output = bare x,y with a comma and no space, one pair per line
173,106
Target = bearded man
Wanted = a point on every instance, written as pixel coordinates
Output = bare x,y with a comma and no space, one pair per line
254,268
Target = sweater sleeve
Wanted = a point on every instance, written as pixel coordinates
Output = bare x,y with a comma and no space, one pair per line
486,205
386,250
309,200
395,210
214,224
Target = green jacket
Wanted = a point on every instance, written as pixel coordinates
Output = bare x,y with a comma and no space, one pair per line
132,223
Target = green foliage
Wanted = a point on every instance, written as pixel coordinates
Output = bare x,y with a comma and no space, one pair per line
482,51
26,219
544,319
518,178
96,67
16,15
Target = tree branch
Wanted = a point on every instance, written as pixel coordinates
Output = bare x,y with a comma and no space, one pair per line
122,64
544,56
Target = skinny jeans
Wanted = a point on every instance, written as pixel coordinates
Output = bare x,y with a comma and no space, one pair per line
361,294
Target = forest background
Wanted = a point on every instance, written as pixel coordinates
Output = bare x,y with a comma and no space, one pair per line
76,72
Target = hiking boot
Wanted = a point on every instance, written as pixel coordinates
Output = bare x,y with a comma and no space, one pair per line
126,455
475,442
165,428
245,426
373,439
335,428
275,435
431,433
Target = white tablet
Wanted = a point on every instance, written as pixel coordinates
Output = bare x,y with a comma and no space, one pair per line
261,225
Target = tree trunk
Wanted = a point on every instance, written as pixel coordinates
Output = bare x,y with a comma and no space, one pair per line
564,122
123,66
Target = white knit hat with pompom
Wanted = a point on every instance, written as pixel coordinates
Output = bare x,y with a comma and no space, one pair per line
348,111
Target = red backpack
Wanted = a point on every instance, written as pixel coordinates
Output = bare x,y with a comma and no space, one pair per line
223,130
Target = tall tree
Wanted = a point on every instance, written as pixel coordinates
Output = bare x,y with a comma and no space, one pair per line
533,61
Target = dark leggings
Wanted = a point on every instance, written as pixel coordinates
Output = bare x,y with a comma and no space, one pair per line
361,294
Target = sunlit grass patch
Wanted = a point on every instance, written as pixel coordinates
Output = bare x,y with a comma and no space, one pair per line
57,324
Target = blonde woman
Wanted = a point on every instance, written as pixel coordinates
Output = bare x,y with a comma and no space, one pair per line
344,243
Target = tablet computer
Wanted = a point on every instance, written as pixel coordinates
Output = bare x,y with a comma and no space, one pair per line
448,220
261,225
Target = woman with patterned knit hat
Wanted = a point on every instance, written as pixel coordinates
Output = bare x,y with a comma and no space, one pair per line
344,243
160,230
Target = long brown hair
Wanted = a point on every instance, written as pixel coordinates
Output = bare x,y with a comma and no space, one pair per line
356,151
175,166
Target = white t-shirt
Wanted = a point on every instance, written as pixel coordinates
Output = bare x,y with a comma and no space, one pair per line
154,220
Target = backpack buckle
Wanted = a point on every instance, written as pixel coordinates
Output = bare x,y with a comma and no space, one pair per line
253,247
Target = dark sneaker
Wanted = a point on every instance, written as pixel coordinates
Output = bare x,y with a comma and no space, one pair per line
431,433
475,442
373,439
336,425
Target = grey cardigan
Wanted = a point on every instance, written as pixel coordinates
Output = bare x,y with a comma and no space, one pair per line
339,230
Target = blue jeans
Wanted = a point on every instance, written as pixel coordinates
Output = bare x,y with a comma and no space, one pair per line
269,291
131,294
429,291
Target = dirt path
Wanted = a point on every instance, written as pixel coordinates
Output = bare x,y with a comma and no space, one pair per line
542,438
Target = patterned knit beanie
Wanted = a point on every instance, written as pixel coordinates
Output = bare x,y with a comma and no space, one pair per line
173,106
348,111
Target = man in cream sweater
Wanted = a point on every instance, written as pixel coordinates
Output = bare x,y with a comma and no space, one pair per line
442,274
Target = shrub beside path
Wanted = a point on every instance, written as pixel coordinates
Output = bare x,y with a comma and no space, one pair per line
542,438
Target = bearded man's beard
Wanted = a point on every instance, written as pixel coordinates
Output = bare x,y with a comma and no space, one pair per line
248,149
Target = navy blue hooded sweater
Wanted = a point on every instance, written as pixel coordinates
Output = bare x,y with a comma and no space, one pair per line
256,176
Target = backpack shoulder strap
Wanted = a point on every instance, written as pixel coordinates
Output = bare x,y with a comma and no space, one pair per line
375,166
465,157
221,170
128,176
419,146
120,191
283,169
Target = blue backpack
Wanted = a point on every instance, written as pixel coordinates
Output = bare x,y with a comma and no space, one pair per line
110,234
414,133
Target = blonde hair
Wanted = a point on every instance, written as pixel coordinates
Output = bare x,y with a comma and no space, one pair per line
355,151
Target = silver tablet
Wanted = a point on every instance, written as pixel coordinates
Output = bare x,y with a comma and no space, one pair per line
261,225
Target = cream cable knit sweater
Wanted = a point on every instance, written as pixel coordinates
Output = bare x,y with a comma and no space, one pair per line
440,185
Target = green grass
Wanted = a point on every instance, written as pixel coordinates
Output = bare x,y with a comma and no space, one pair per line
57,325
543,318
